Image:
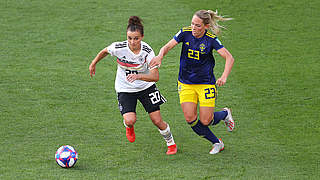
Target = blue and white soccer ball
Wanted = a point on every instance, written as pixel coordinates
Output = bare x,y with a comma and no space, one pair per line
66,156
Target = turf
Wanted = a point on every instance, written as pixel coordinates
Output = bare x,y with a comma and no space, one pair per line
48,98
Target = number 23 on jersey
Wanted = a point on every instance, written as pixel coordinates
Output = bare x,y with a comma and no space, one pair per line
193,54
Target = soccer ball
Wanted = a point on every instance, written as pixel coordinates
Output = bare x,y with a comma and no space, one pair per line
66,156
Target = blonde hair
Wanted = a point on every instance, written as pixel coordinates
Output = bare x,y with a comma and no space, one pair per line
212,18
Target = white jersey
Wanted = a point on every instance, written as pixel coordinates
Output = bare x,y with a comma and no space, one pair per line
129,63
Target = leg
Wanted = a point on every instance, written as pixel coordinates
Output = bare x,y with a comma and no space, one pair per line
188,100
197,126
189,110
189,97
157,120
206,115
130,119
127,105
207,96
151,99
164,130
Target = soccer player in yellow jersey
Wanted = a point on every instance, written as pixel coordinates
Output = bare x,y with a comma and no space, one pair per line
196,82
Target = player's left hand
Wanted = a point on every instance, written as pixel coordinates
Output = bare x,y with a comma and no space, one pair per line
221,81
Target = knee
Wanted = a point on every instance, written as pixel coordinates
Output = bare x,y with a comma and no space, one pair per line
156,118
206,121
130,118
189,111
190,117
157,121
206,118
130,121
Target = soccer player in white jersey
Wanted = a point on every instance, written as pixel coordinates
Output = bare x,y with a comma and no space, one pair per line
135,81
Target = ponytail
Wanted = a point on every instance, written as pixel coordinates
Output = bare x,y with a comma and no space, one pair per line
212,18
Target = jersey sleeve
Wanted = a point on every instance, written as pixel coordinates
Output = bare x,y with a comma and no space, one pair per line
111,49
217,44
149,52
179,36
150,56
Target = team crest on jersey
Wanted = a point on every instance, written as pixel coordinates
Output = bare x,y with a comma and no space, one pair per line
141,60
202,48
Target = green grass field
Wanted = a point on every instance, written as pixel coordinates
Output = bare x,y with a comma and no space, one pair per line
48,98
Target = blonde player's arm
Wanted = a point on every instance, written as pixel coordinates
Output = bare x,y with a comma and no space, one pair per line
225,54
152,76
156,61
92,68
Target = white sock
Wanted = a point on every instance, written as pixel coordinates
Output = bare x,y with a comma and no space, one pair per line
167,136
124,123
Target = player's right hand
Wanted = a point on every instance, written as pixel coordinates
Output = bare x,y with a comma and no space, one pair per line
92,69
156,61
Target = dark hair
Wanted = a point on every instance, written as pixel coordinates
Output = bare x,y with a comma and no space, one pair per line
135,24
